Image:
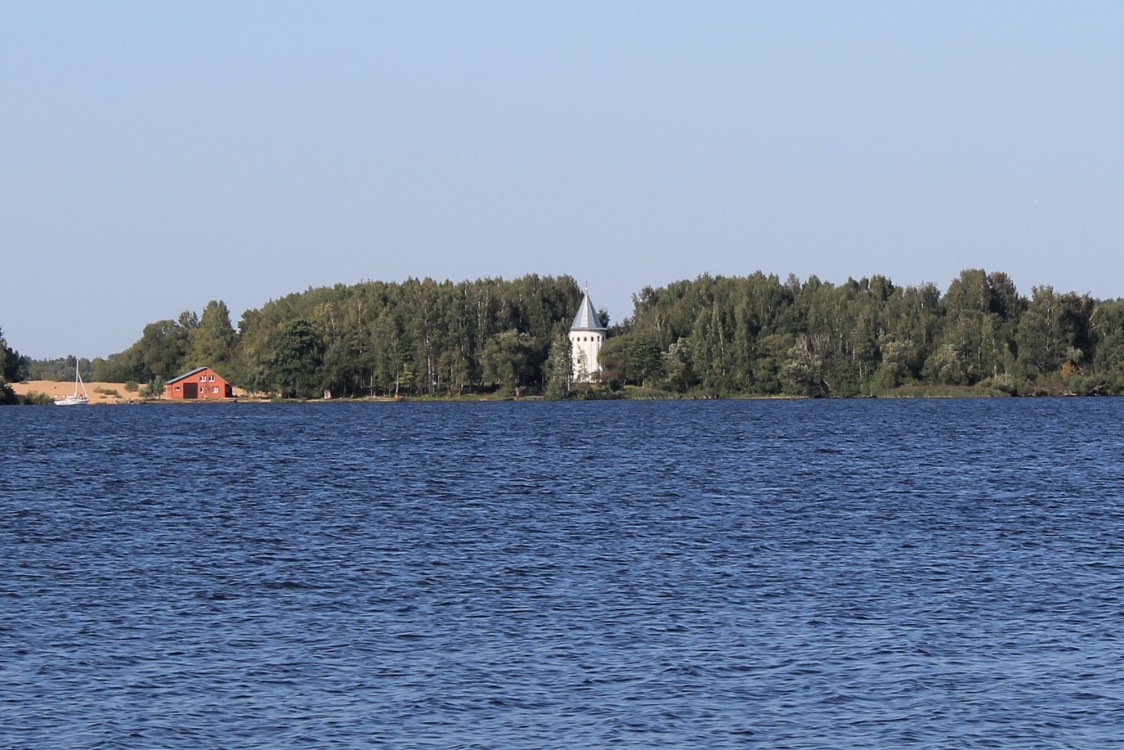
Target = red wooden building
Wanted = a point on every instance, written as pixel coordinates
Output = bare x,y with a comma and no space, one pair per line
200,383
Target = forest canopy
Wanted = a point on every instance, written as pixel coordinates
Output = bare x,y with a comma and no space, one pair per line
712,336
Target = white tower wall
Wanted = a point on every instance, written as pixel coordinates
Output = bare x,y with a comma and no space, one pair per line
585,348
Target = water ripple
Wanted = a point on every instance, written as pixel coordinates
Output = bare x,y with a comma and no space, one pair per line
744,574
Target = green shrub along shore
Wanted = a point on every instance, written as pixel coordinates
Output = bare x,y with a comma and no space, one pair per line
711,337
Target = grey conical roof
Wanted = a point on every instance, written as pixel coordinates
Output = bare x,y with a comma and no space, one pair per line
586,319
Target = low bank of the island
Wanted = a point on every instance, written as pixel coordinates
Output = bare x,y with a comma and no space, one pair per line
118,393
98,392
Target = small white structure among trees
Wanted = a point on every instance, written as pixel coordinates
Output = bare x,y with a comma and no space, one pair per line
586,337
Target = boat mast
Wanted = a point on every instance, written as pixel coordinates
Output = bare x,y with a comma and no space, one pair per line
78,381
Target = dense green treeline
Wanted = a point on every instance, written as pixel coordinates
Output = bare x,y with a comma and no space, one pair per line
420,337
711,336
60,368
760,336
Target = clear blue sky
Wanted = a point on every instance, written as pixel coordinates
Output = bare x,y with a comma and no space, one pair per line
154,156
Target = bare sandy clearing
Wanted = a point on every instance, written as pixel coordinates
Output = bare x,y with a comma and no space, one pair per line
99,393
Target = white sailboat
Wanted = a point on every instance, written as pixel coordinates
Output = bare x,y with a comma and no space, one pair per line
75,398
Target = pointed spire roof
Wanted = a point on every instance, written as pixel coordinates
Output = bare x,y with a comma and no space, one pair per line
586,319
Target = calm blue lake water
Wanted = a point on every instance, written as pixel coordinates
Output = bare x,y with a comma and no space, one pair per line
794,574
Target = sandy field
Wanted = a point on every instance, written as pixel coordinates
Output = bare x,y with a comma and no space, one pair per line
99,393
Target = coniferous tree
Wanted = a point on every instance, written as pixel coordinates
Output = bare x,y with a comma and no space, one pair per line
293,364
212,339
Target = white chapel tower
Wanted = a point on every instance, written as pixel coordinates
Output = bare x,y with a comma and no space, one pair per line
586,337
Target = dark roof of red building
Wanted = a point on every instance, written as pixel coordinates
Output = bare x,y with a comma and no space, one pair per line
186,375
